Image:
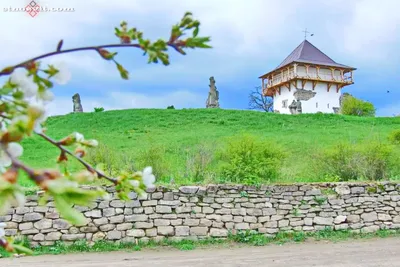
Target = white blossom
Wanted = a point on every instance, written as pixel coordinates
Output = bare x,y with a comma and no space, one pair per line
38,108
24,82
148,177
79,137
47,96
63,75
2,231
15,150
134,183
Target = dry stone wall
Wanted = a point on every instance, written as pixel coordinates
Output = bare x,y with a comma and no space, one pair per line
214,211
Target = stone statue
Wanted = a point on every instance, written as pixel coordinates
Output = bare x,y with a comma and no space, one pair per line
298,107
292,107
213,95
295,107
76,99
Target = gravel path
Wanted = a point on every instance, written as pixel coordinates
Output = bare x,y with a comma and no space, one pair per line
356,253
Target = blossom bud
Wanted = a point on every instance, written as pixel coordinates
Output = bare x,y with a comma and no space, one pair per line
32,67
105,54
80,152
62,157
7,70
11,175
71,139
51,174
125,39
90,143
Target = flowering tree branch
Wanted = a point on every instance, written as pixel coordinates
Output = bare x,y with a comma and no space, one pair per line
84,163
20,117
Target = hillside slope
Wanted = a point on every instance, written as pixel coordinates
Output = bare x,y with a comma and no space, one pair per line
129,132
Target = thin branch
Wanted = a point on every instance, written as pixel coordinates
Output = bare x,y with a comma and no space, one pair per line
84,163
95,48
20,165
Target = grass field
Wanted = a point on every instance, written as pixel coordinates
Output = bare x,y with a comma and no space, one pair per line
180,135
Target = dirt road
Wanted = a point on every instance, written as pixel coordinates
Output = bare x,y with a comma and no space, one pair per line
363,253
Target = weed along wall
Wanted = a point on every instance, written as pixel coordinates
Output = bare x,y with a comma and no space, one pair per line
214,211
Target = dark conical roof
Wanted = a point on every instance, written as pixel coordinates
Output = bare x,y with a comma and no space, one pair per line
308,53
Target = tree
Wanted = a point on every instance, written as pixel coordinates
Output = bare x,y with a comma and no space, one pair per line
258,101
20,118
356,107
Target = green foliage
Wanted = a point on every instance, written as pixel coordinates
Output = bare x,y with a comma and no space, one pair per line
319,200
171,107
357,107
182,132
106,158
251,160
100,109
394,137
198,163
155,156
369,161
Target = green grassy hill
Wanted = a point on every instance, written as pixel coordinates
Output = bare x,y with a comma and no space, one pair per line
181,134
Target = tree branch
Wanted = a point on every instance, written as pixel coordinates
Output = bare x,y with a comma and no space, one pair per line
174,45
84,163
260,102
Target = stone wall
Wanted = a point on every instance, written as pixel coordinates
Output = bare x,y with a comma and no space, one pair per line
213,211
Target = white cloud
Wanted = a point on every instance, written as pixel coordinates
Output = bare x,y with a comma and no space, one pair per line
125,100
389,110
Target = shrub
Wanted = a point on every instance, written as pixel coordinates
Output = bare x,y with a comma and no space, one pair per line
154,156
370,161
394,137
247,159
98,109
171,107
198,162
105,158
357,107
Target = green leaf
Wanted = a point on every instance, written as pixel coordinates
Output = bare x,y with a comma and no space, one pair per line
67,212
6,90
196,32
124,73
22,250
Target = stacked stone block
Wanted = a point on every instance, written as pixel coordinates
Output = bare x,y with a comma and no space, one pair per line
196,212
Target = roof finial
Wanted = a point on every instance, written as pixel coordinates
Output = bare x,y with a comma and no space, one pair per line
305,34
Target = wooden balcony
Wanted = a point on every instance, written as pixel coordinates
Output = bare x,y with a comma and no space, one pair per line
289,80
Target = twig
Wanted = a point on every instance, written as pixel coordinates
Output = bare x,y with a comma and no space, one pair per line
20,165
95,48
84,163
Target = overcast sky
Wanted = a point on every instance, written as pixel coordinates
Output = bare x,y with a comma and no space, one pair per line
250,37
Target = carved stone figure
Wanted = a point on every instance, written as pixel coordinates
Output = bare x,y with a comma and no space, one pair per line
298,107
292,107
76,99
213,95
295,107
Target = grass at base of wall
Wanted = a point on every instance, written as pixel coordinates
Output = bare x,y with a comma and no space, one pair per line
242,238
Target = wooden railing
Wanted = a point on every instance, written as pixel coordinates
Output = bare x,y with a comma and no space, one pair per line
278,79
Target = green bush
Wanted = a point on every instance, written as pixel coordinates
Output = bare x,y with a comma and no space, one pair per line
105,158
357,107
394,137
369,161
98,109
198,163
171,107
250,160
154,156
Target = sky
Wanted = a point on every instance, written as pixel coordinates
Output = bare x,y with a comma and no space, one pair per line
249,38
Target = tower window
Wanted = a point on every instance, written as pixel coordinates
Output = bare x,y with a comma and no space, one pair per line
328,105
284,103
316,104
